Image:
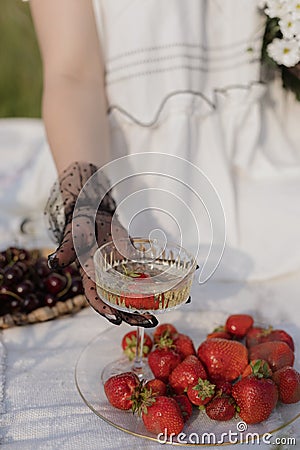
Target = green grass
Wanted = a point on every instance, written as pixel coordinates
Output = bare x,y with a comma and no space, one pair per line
21,70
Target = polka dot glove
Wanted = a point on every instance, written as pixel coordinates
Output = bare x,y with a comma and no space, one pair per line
80,225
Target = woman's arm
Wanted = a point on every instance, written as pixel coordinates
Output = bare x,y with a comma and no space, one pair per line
74,102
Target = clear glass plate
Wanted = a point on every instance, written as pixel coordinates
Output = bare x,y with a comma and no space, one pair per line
107,346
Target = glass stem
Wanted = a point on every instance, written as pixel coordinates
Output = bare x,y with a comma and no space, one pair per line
138,363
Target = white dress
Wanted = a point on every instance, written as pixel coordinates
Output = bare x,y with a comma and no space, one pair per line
183,78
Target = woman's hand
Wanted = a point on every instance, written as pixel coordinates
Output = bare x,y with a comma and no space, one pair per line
81,226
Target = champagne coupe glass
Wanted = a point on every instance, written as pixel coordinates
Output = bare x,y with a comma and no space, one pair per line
140,275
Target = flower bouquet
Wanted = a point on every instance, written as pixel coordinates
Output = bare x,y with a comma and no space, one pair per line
281,44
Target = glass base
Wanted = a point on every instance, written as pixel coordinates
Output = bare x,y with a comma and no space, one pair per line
122,365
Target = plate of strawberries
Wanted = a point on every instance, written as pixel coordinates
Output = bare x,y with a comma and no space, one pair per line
209,385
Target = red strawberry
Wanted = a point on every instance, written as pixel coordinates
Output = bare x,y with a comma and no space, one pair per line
223,359
223,387
288,383
134,274
162,361
140,275
186,373
164,329
259,335
184,345
218,333
201,392
239,324
258,368
185,406
277,354
253,336
157,387
256,398
129,344
221,408
120,388
141,301
279,335
163,416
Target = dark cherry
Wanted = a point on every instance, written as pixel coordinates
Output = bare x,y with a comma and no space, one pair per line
14,305
18,254
4,290
26,282
13,274
71,270
41,267
22,266
25,287
9,301
4,302
30,302
76,287
4,307
55,283
3,260
49,300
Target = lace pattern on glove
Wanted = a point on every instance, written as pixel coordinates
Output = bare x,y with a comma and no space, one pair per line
63,196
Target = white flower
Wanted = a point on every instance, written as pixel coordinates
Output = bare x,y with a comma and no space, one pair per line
290,27
277,8
284,52
294,8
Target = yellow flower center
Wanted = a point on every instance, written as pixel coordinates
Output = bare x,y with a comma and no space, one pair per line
286,50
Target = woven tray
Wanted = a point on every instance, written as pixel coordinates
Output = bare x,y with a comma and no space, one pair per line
70,306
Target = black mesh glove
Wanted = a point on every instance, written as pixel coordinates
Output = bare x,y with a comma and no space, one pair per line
78,221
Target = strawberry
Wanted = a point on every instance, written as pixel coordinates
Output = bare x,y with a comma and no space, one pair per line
238,325
201,392
185,406
129,344
253,336
164,329
259,368
184,345
219,333
288,383
162,361
223,359
260,335
140,301
140,275
186,373
280,335
163,416
277,354
157,386
256,398
221,408
135,274
120,388
223,387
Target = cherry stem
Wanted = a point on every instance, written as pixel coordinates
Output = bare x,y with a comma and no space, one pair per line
67,287
138,364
